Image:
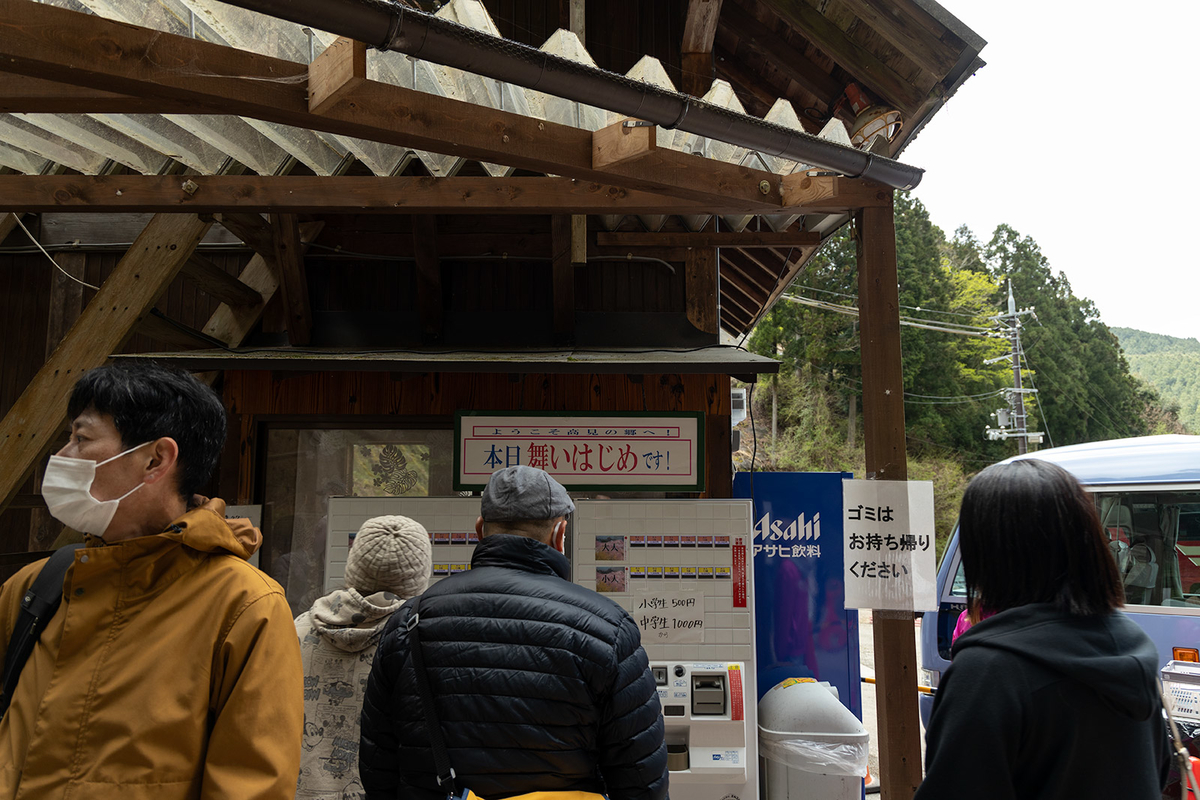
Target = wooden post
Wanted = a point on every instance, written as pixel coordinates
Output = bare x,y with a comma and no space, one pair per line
66,298
883,430
577,20
700,288
147,269
293,281
563,278
429,277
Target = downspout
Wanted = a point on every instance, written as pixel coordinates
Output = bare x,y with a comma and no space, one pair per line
390,26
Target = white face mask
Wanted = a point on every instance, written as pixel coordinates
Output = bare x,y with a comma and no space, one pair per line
67,490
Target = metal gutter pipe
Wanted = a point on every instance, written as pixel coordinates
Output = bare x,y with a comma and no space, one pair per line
390,26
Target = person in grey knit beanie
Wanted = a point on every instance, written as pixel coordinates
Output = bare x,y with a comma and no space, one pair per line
389,561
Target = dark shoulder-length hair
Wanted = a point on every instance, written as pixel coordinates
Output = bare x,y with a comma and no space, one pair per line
1029,533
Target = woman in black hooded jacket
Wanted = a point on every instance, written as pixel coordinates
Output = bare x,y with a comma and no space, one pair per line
1055,695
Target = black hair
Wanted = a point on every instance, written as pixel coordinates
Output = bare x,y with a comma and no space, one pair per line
1029,533
147,402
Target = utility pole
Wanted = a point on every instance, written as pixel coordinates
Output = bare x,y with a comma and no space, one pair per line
1013,421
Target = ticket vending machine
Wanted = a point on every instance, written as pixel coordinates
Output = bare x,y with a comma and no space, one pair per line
680,568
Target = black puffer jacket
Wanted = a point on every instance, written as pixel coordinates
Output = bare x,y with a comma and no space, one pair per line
540,684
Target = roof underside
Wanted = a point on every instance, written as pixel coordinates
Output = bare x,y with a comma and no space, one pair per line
788,61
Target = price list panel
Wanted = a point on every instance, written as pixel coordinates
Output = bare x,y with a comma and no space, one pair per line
678,566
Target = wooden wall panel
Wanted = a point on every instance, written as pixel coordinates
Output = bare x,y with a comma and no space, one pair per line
25,283
332,398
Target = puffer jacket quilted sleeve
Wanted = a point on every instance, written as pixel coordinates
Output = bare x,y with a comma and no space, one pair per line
540,684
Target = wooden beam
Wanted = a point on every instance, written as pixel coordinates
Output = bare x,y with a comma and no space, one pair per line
699,29
57,44
251,229
339,70
233,324
141,276
344,195
897,23
219,284
620,143
883,429
293,280
788,60
833,193
711,239
239,198
430,297
172,333
23,94
890,88
700,289
563,278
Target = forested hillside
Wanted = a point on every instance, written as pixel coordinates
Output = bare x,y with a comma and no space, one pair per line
950,291
1169,364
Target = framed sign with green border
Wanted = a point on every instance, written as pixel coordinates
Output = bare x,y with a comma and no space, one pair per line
623,451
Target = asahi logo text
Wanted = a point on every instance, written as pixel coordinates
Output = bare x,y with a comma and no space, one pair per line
784,530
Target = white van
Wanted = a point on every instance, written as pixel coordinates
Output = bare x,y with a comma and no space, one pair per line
1147,491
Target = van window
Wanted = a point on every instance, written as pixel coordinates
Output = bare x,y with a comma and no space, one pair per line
1154,537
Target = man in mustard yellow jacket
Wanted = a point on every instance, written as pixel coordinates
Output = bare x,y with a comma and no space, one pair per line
171,669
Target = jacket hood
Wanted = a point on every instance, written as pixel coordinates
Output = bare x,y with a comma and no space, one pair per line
205,529
1110,654
350,622
520,552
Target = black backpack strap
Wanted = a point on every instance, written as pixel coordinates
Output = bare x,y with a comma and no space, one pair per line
37,608
437,741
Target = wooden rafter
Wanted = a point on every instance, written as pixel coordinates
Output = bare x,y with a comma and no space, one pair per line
789,61
243,195
898,22
852,56
218,283
699,29
126,297
56,44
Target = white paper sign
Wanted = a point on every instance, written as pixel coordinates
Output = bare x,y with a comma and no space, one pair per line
622,452
667,617
890,555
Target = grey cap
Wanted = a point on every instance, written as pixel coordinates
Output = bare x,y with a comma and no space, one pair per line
517,494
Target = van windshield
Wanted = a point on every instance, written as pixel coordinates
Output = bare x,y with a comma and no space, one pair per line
1155,539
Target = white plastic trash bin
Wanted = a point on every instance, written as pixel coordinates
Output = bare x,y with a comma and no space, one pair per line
812,747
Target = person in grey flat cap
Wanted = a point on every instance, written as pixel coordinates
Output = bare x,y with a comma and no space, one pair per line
540,684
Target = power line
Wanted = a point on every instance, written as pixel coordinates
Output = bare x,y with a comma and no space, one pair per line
912,322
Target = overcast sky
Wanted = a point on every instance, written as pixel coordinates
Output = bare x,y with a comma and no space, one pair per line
1080,133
